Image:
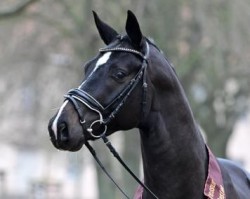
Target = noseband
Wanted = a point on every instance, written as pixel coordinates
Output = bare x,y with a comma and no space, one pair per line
77,95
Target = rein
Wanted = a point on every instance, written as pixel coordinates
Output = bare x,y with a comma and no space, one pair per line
78,95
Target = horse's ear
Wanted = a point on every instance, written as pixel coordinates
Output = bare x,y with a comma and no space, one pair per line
133,29
107,33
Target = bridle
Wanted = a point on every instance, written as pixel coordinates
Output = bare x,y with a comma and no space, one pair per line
112,110
78,95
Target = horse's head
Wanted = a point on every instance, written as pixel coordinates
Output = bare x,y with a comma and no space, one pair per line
114,94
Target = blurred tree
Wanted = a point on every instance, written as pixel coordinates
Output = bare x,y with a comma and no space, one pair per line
211,66
14,10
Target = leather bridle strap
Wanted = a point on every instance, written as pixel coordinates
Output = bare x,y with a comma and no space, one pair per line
133,83
93,153
118,157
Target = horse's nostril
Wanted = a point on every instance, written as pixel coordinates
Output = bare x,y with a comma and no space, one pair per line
63,132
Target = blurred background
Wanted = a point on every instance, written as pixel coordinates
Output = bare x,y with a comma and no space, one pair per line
43,45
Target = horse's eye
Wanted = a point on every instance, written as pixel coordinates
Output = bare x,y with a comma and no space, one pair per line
120,75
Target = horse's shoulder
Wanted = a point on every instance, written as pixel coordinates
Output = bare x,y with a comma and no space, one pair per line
236,180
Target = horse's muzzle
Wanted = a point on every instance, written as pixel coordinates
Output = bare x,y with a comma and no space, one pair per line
62,139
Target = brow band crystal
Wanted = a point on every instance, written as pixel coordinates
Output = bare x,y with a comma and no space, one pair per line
123,50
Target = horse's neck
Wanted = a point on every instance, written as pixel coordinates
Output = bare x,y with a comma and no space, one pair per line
174,154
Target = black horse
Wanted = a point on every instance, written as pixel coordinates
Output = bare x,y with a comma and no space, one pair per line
131,84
